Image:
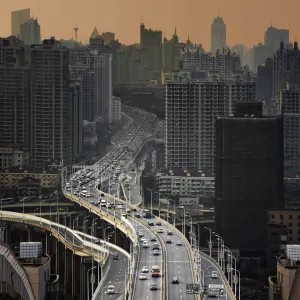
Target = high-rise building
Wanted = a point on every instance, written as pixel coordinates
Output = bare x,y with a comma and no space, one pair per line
14,93
51,108
218,35
274,36
264,81
191,110
290,109
30,32
108,37
248,176
286,68
19,17
94,64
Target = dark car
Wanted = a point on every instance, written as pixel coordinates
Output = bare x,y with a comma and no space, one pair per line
115,256
158,223
170,233
153,287
137,215
169,241
150,223
175,280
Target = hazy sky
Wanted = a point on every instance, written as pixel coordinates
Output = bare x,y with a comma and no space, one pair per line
246,20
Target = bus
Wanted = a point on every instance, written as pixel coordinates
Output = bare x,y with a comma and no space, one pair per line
155,271
7,201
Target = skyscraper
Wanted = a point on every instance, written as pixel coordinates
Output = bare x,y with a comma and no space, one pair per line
14,92
249,176
274,36
19,17
191,110
30,32
218,35
51,109
264,81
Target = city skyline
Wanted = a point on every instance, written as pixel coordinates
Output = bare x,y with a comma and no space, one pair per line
241,26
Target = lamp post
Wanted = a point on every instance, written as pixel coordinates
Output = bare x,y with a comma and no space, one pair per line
229,265
88,282
210,245
235,282
232,257
173,208
219,240
151,199
182,207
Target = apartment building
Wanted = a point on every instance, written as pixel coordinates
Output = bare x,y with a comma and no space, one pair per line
115,110
191,110
50,116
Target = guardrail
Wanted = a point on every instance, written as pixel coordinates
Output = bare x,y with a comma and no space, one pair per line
106,216
228,287
101,254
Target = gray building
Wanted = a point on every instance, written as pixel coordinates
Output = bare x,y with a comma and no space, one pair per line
218,34
19,17
14,93
274,36
191,110
51,109
30,32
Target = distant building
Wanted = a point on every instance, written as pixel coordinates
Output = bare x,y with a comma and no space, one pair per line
264,81
191,110
108,37
51,137
19,17
274,36
249,176
218,35
14,93
30,32
192,183
11,157
115,110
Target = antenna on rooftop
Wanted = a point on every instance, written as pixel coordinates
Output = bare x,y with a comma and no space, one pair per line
76,30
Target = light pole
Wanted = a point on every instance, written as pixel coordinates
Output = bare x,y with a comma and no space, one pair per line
182,207
220,250
232,257
151,199
173,208
235,282
88,282
209,244
229,265
198,233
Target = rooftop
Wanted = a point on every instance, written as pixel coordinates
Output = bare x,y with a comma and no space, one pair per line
189,172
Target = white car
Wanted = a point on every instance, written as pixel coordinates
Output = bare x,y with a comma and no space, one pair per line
145,244
214,274
145,269
143,276
110,290
143,239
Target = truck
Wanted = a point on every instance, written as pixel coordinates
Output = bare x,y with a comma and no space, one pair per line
215,290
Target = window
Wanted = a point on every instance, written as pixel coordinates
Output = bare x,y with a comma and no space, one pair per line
290,223
290,217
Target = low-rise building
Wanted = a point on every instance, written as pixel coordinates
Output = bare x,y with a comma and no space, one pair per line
189,185
13,177
12,157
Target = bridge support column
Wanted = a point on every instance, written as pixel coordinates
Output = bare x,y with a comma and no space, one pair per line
65,271
82,279
73,275
57,258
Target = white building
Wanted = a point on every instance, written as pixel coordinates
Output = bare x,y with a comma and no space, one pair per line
115,110
218,34
191,110
11,157
189,185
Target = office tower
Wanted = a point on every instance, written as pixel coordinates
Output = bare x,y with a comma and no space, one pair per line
218,35
274,36
290,109
248,177
50,116
240,50
30,32
108,37
94,63
14,93
264,81
19,17
151,43
191,110
260,54
286,68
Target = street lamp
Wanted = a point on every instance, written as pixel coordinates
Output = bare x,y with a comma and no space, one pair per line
88,282
173,209
232,257
182,207
235,282
229,265
210,245
221,249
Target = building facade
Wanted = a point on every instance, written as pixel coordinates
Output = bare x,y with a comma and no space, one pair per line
249,176
50,116
218,35
116,110
19,17
30,32
191,110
